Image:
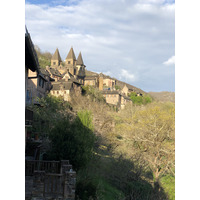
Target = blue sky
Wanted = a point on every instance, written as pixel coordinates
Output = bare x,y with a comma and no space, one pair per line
133,41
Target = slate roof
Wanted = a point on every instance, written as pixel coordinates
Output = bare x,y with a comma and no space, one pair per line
56,56
31,59
79,60
71,54
66,85
130,87
55,72
91,77
125,97
110,92
45,72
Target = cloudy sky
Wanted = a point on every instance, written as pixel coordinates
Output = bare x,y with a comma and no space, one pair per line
131,40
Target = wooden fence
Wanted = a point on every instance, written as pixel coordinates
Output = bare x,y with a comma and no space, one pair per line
38,165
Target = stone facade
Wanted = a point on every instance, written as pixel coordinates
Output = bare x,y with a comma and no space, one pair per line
66,88
112,97
38,85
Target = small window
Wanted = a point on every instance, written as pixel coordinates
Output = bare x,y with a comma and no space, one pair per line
42,83
68,62
65,92
54,63
57,92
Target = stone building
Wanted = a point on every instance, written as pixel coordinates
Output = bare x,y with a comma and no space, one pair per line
124,101
56,59
54,73
125,90
92,81
108,82
112,97
66,88
75,67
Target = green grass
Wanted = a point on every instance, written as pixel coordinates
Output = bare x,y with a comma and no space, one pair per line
168,184
108,192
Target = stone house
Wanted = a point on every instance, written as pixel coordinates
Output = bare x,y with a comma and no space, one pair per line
124,101
65,89
125,90
131,88
112,97
38,85
31,66
91,80
54,73
109,82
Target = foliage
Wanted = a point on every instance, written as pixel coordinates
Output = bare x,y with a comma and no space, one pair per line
73,141
117,87
139,100
86,118
168,183
70,138
44,58
93,93
50,110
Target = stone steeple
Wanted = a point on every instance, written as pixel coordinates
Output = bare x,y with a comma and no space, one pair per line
71,54
56,59
71,58
79,60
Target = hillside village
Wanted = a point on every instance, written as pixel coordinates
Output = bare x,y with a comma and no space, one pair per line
66,81
64,78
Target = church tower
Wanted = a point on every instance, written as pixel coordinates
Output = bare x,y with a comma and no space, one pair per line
56,59
80,67
70,62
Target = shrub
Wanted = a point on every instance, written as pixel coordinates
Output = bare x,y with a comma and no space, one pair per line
72,141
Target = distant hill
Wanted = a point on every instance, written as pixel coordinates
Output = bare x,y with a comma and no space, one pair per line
163,96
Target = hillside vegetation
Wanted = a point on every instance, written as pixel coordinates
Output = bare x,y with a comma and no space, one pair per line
44,58
127,154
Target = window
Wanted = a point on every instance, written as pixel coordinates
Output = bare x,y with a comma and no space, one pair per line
68,62
42,83
57,92
54,63
65,92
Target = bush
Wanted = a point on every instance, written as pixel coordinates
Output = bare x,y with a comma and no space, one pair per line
86,118
72,141
93,93
139,100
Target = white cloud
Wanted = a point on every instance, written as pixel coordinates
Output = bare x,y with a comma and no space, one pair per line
127,75
170,61
138,35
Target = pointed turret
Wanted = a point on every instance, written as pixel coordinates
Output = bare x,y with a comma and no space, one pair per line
70,60
79,60
56,55
71,54
56,59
